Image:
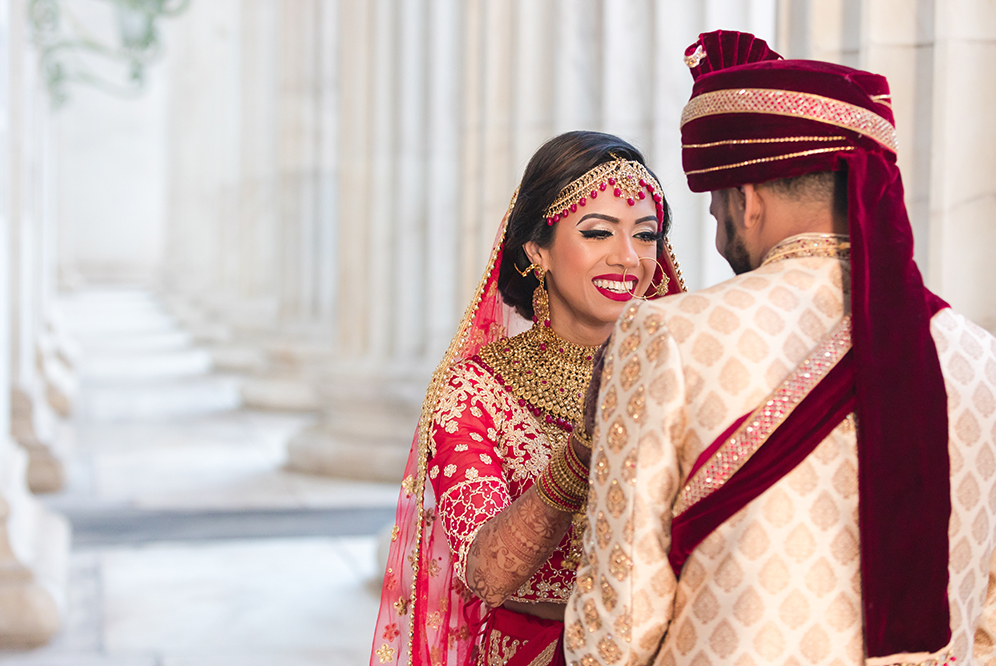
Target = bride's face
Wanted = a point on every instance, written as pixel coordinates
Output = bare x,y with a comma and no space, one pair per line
600,256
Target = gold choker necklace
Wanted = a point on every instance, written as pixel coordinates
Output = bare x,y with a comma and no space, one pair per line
836,246
548,374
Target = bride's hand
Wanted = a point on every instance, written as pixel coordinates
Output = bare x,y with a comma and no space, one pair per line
591,403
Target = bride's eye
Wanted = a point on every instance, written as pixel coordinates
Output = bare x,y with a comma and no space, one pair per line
596,233
647,236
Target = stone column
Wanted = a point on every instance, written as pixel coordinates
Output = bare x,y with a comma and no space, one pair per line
690,234
371,399
201,260
33,421
34,542
578,66
534,62
900,46
306,158
627,75
963,158
443,308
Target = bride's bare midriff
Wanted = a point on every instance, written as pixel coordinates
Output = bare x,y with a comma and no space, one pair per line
547,610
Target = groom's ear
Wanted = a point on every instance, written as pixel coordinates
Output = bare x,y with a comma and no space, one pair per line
753,203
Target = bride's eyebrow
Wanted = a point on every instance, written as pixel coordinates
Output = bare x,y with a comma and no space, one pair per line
600,216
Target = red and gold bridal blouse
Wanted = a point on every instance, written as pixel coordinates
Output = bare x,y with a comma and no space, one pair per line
489,441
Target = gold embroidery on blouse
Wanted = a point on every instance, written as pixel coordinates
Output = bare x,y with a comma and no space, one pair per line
756,429
522,446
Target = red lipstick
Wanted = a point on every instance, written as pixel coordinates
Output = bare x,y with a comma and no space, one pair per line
630,280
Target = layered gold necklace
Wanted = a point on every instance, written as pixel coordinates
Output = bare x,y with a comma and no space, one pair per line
548,374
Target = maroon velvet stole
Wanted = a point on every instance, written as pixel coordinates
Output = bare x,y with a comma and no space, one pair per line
714,493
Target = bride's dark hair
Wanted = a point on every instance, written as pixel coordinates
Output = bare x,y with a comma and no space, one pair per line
559,161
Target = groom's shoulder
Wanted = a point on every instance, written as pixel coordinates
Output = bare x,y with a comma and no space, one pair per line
738,294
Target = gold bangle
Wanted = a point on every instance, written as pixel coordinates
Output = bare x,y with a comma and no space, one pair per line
580,433
552,496
566,479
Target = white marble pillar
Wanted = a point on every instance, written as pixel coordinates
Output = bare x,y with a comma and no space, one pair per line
34,542
257,147
442,191
370,400
962,234
472,214
499,173
41,376
381,188
307,204
408,249
203,60
898,42
578,66
356,186
534,62
627,75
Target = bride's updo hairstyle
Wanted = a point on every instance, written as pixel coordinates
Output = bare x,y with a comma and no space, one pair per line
556,164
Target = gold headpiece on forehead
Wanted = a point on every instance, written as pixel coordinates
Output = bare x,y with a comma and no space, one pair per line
625,178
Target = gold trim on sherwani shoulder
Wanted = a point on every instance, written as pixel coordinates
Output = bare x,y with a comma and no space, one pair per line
796,105
755,430
832,246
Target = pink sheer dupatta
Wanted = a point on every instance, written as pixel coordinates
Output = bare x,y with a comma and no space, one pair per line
427,617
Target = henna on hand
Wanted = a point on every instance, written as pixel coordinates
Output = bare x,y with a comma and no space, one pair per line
512,546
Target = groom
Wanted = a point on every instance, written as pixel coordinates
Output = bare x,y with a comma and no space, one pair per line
797,465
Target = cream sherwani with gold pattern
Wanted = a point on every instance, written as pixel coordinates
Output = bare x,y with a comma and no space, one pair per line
779,583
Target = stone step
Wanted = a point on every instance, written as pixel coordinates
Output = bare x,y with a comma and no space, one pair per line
158,399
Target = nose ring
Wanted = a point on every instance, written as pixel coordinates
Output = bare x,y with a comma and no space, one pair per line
660,289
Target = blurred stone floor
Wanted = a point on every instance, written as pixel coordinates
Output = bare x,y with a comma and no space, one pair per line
192,546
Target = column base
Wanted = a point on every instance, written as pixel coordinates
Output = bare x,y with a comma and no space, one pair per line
34,561
281,395
365,432
46,472
33,599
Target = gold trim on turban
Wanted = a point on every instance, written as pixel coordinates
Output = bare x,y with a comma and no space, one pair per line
795,105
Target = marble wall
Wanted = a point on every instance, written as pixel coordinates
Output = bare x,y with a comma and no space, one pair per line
935,54
335,170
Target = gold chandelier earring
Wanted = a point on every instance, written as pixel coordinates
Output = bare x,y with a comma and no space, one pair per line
660,289
541,299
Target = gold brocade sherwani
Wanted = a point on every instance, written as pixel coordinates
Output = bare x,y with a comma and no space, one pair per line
780,582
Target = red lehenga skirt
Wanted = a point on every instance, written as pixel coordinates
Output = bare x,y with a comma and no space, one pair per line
517,639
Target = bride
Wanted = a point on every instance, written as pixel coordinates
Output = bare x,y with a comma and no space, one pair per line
484,547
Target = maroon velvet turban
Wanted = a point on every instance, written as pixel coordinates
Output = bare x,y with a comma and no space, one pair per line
754,117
